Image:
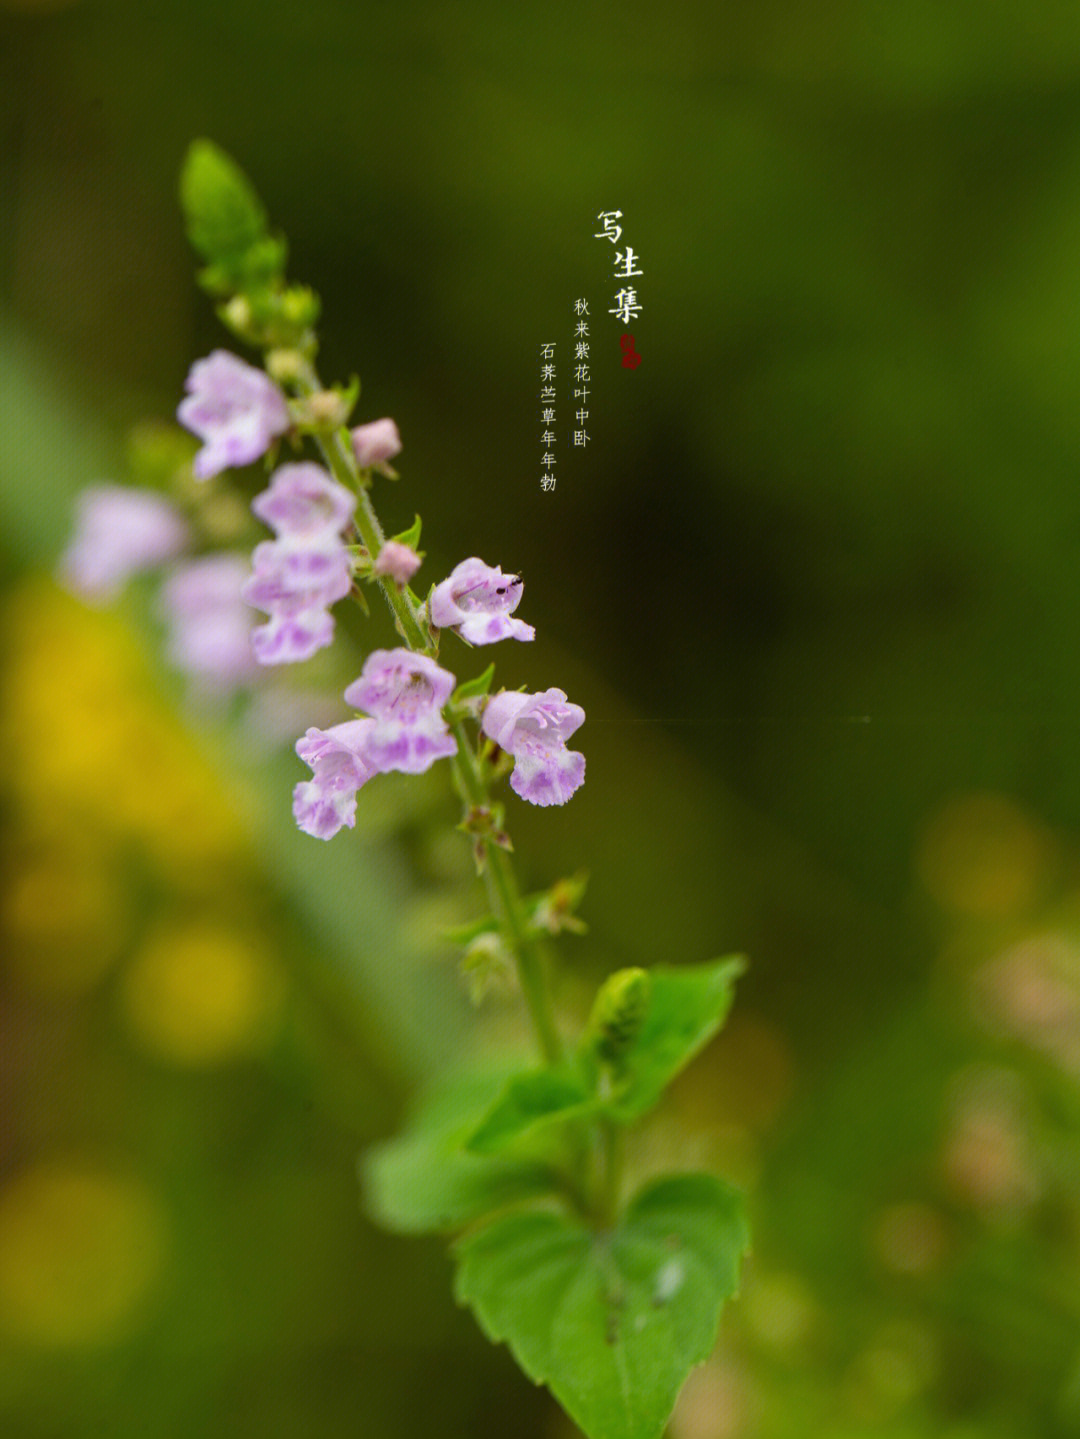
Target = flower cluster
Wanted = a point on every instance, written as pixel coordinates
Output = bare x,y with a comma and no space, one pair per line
403,695
305,569
239,412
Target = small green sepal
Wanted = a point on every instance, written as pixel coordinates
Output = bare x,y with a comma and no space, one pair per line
464,934
474,688
553,911
487,965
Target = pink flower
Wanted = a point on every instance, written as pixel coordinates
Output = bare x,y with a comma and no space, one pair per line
534,729
398,561
327,802
118,532
234,408
210,625
477,600
295,586
404,694
375,443
298,576
304,502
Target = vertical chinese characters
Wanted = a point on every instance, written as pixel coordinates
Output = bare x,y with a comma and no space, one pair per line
547,413
627,306
582,377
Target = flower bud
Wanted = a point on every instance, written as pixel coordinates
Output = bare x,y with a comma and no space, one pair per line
375,443
619,1012
398,561
284,365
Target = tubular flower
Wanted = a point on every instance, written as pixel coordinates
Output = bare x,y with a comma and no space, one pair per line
303,503
478,600
404,694
235,409
534,729
306,569
118,532
326,802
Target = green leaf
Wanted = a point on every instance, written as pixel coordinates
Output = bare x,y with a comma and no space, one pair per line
612,1322
423,1182
686,1008
540,1097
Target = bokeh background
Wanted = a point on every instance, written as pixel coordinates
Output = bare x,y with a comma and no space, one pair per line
815,580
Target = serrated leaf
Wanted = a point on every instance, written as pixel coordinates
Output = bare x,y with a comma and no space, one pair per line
528,1101
612,1322
686,1008
423,1182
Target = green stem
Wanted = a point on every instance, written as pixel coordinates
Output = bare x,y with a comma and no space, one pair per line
612,1138
337,452
505,899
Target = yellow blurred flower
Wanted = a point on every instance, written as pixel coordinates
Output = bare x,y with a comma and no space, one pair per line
81,1249
201,995
92,746
63,918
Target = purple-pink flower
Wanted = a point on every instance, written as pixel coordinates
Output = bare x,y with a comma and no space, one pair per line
303,502
235,409
298,576
478,600
404,694
534,729
118,532
375,443
326,802
210,625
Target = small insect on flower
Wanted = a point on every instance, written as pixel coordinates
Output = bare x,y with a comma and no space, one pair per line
478,600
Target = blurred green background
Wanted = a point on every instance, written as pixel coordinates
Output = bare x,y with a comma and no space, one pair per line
815,581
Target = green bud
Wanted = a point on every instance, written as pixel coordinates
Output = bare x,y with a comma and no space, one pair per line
300,306
237,314
618,1013
284,365
327,410
486,965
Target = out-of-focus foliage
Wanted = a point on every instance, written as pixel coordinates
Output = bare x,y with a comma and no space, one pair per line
814,581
